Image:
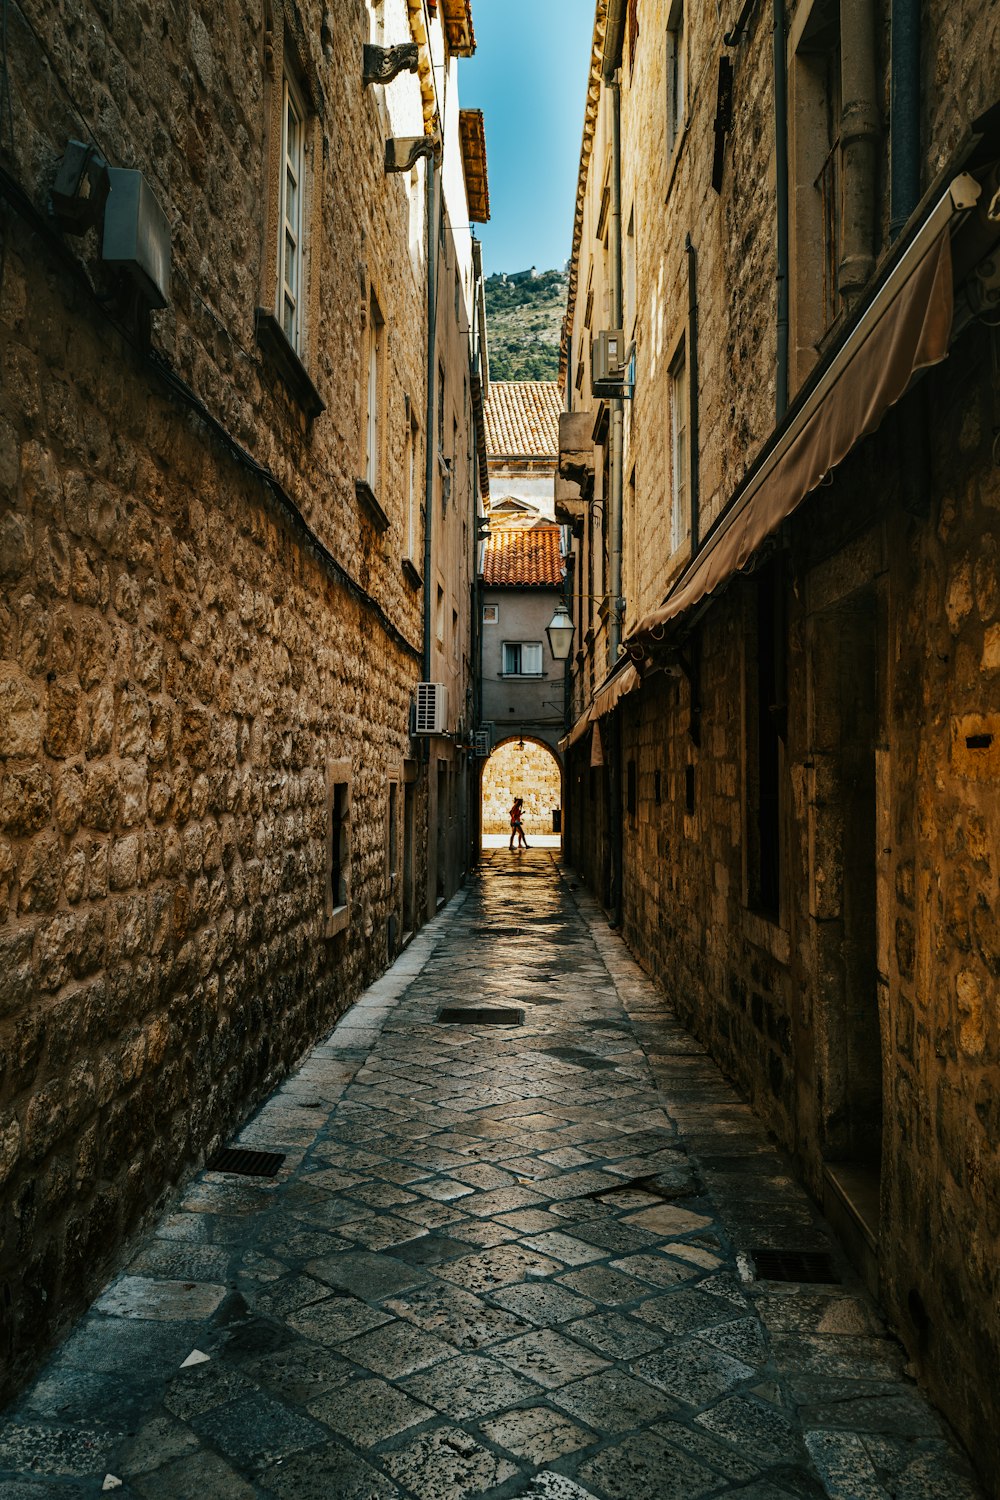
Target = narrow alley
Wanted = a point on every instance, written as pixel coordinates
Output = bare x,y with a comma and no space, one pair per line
538,1258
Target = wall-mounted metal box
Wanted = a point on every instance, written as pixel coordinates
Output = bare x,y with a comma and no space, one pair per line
137,235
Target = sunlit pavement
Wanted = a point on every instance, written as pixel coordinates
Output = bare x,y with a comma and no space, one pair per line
497,1260
535,840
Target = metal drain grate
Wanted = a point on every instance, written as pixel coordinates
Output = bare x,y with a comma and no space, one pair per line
242,1163
794,1265
457,1015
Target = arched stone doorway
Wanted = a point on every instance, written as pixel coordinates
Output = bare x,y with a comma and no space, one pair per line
522,768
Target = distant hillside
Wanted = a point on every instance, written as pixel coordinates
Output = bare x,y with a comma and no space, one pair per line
524,314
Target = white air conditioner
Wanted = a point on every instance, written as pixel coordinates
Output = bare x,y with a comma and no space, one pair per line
483,743
432,708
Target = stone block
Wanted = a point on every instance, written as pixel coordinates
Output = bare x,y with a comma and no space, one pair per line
20,714
15,968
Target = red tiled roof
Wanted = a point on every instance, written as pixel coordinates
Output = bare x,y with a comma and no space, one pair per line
523,559
522,417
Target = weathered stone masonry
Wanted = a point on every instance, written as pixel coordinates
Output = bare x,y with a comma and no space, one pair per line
180,665
823,915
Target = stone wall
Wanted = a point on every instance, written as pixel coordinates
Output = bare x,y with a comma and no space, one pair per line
531,773
851,1002
189,643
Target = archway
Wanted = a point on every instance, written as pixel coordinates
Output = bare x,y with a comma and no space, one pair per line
524,768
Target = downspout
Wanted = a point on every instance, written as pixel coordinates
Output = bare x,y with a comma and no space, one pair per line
617,405
904,114
859,132
781,205
613,37
432,270
692,258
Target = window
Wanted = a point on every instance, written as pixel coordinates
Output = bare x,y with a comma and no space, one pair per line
373,424
491,614
289,260
440,423
630,308
412,491
676,75
764,731
291,243
522,658
338,846
680,512
392,838
439,618
816,182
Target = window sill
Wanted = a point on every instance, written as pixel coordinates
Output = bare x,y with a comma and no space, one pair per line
412,573
369,503
765,931
522,676
292,372
337,920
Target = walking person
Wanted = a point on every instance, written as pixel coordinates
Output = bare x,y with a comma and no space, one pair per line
516,826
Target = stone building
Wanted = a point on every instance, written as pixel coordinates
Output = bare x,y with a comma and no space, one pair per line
522,420
522,577
783,766
238,469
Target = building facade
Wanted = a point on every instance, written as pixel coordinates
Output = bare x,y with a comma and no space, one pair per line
236,294
782,772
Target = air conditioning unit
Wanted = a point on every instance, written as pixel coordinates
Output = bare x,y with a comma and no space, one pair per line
609,362
431,715
482,743
607,358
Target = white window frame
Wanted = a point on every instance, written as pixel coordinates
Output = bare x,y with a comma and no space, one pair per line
521,647
680,490
290,292
676,76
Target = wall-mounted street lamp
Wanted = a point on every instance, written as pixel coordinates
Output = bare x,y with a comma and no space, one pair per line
560,633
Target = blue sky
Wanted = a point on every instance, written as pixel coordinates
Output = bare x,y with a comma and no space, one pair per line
529,77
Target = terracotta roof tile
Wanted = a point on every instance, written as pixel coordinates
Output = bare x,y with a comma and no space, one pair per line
523,559
522,417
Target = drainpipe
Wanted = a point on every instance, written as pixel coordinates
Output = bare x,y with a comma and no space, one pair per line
781,204
617,405
859,132
692,258
617,463
904,114
433,230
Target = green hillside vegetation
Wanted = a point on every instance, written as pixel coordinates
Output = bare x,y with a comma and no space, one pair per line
524,314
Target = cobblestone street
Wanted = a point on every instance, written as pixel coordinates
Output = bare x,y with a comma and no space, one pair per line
497,1260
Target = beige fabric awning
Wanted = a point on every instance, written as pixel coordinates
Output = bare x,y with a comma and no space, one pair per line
906,328
607,697
610,695
577,732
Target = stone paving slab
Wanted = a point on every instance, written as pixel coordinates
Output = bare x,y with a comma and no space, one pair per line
497,1262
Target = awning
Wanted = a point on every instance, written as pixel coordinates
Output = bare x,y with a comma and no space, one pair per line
625,680
613,691
906,327
577,732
